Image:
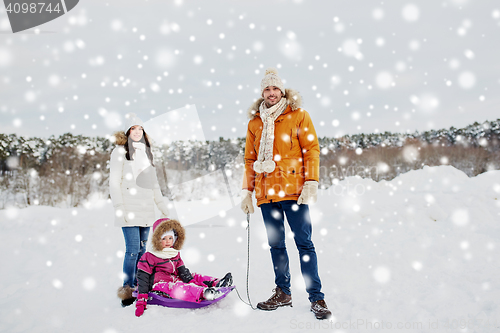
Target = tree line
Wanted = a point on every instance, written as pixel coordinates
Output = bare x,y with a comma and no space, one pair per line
68,169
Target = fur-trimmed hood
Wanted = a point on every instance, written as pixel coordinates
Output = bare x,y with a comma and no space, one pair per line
163,225
293,99
120,138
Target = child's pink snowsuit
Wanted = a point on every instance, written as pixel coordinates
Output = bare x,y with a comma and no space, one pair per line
164,276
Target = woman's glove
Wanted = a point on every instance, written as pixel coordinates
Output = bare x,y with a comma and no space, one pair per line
246,202
140,304
309,193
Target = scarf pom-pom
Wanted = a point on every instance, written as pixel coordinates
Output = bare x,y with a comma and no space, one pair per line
257,167
266,166
269,166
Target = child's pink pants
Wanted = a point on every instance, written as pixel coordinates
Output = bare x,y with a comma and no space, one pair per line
190,292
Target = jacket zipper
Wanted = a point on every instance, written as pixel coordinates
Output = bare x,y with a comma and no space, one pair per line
264,182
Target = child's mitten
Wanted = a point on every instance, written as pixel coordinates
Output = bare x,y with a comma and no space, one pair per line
140,304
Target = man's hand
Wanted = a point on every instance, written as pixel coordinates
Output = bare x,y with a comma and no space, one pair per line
246,202
309,193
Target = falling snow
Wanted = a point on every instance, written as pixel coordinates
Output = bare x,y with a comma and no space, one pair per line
422,246
359,59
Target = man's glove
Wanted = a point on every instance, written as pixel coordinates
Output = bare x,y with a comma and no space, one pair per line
309,193
246,202
140,304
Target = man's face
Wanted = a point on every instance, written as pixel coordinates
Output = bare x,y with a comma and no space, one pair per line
272,95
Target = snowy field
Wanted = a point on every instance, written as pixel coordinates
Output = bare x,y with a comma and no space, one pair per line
415,254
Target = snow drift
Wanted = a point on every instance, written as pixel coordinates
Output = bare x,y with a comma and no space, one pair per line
419,253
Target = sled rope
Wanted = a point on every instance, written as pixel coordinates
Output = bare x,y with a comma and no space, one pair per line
248,267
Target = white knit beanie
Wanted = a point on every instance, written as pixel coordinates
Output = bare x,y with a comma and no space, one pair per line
131,119
170,233
271,78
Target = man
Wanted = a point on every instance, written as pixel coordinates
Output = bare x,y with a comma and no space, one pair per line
282,167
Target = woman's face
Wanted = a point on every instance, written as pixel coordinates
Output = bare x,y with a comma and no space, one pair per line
136,133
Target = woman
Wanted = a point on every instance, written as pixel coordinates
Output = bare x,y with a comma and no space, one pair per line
134,203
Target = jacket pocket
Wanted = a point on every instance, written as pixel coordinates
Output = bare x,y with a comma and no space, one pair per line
295,149
293,177
260,186
292,183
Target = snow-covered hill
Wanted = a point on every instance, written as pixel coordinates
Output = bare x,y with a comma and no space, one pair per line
415,254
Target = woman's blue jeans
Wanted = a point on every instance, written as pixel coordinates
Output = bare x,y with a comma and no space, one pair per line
300,223
136,239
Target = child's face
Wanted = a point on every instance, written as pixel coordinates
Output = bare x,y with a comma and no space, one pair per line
167,241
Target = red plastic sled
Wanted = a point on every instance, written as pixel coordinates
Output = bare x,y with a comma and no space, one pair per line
156,299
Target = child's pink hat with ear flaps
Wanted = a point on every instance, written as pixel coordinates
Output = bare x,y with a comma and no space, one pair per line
161,227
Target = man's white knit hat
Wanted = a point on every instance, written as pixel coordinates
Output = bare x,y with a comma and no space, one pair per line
271,78
131,119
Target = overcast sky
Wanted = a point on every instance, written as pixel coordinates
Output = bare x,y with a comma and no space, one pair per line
360,65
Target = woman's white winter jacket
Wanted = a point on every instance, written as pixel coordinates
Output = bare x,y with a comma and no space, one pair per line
134,205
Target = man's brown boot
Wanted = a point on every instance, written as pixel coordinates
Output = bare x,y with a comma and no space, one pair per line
278,299
320,310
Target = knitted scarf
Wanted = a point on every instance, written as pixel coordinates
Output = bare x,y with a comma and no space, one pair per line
166,253
141,160
265,161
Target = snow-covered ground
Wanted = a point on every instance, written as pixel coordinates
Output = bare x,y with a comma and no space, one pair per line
415,254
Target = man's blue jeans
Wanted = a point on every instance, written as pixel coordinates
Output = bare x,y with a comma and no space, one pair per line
300,223
136,239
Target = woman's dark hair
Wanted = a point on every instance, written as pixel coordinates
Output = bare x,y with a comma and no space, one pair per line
130,150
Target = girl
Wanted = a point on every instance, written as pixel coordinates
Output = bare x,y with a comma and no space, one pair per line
133,201
162,269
